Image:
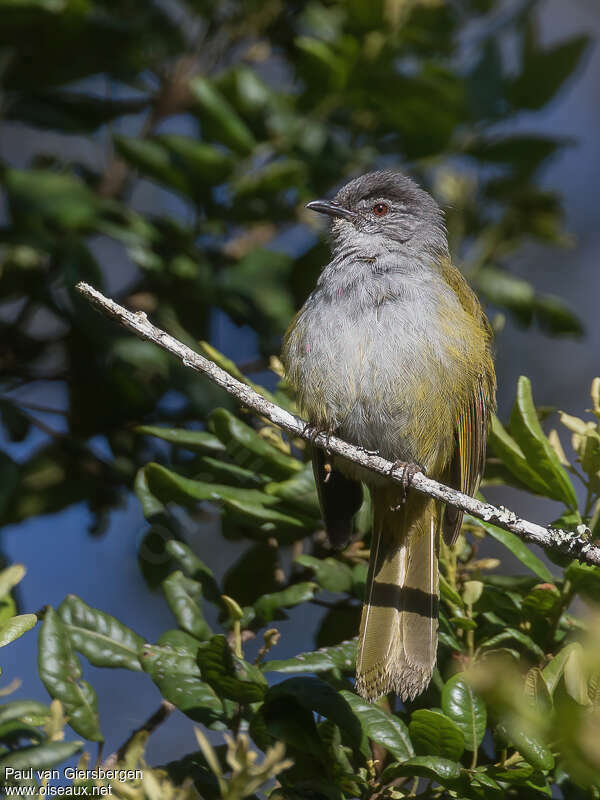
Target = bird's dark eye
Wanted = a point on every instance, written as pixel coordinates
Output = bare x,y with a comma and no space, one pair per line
380,209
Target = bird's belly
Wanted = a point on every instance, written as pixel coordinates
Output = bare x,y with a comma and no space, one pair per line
379,382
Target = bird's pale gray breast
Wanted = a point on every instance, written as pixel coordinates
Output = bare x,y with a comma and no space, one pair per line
362,354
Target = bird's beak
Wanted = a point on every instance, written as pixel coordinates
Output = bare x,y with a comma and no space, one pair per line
332,209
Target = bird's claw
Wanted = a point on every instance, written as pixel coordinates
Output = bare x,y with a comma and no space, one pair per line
409,470
311,431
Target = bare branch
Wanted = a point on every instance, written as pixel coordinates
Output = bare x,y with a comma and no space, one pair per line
574,544
162,713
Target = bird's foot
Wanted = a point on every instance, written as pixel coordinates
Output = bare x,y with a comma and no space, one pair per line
409,470
312,431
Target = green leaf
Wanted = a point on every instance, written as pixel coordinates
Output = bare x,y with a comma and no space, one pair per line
528,433
585,580
171,487
230,676
542,601
219,119
172,665
200,441
195,568
449,594
15,627
267,606
441,770
221,360
331,574
153,160
382,727
40,757
46,198
299,491
519,549
513,458
537,691
545,70
276,176
60,672
505,290
23,709
556,318
340,657
315,695
519,773
203,164
10,577
219,471
151,505
528,745
102,638
575,674
432,733
554,670
464,707
256,516
184,597
250,450
512,634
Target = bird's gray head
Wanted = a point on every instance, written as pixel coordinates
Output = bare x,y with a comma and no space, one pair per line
385,210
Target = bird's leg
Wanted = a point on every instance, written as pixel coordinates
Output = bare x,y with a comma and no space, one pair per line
409,470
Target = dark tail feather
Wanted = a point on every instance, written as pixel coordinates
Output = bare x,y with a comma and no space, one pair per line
397,643
340,498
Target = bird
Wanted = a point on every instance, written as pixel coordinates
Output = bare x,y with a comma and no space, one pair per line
393,352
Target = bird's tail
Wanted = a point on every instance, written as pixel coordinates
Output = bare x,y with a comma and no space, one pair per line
397,643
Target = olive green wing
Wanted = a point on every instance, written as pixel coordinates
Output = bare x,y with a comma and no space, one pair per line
468,461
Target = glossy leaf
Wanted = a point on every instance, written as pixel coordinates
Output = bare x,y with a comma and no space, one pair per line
441,770
432,733
169,486
299,490
172,665
60,672
337,657
519,549
184,597
23,709
512,634
465,707
331,574
382,727
514,459
315,695
100,637
220,118
195,568
247,448
528,433
230,676
201,441
267,606
529,746
39,757
15,627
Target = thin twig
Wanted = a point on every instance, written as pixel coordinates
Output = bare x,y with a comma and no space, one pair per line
574,544
162,713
